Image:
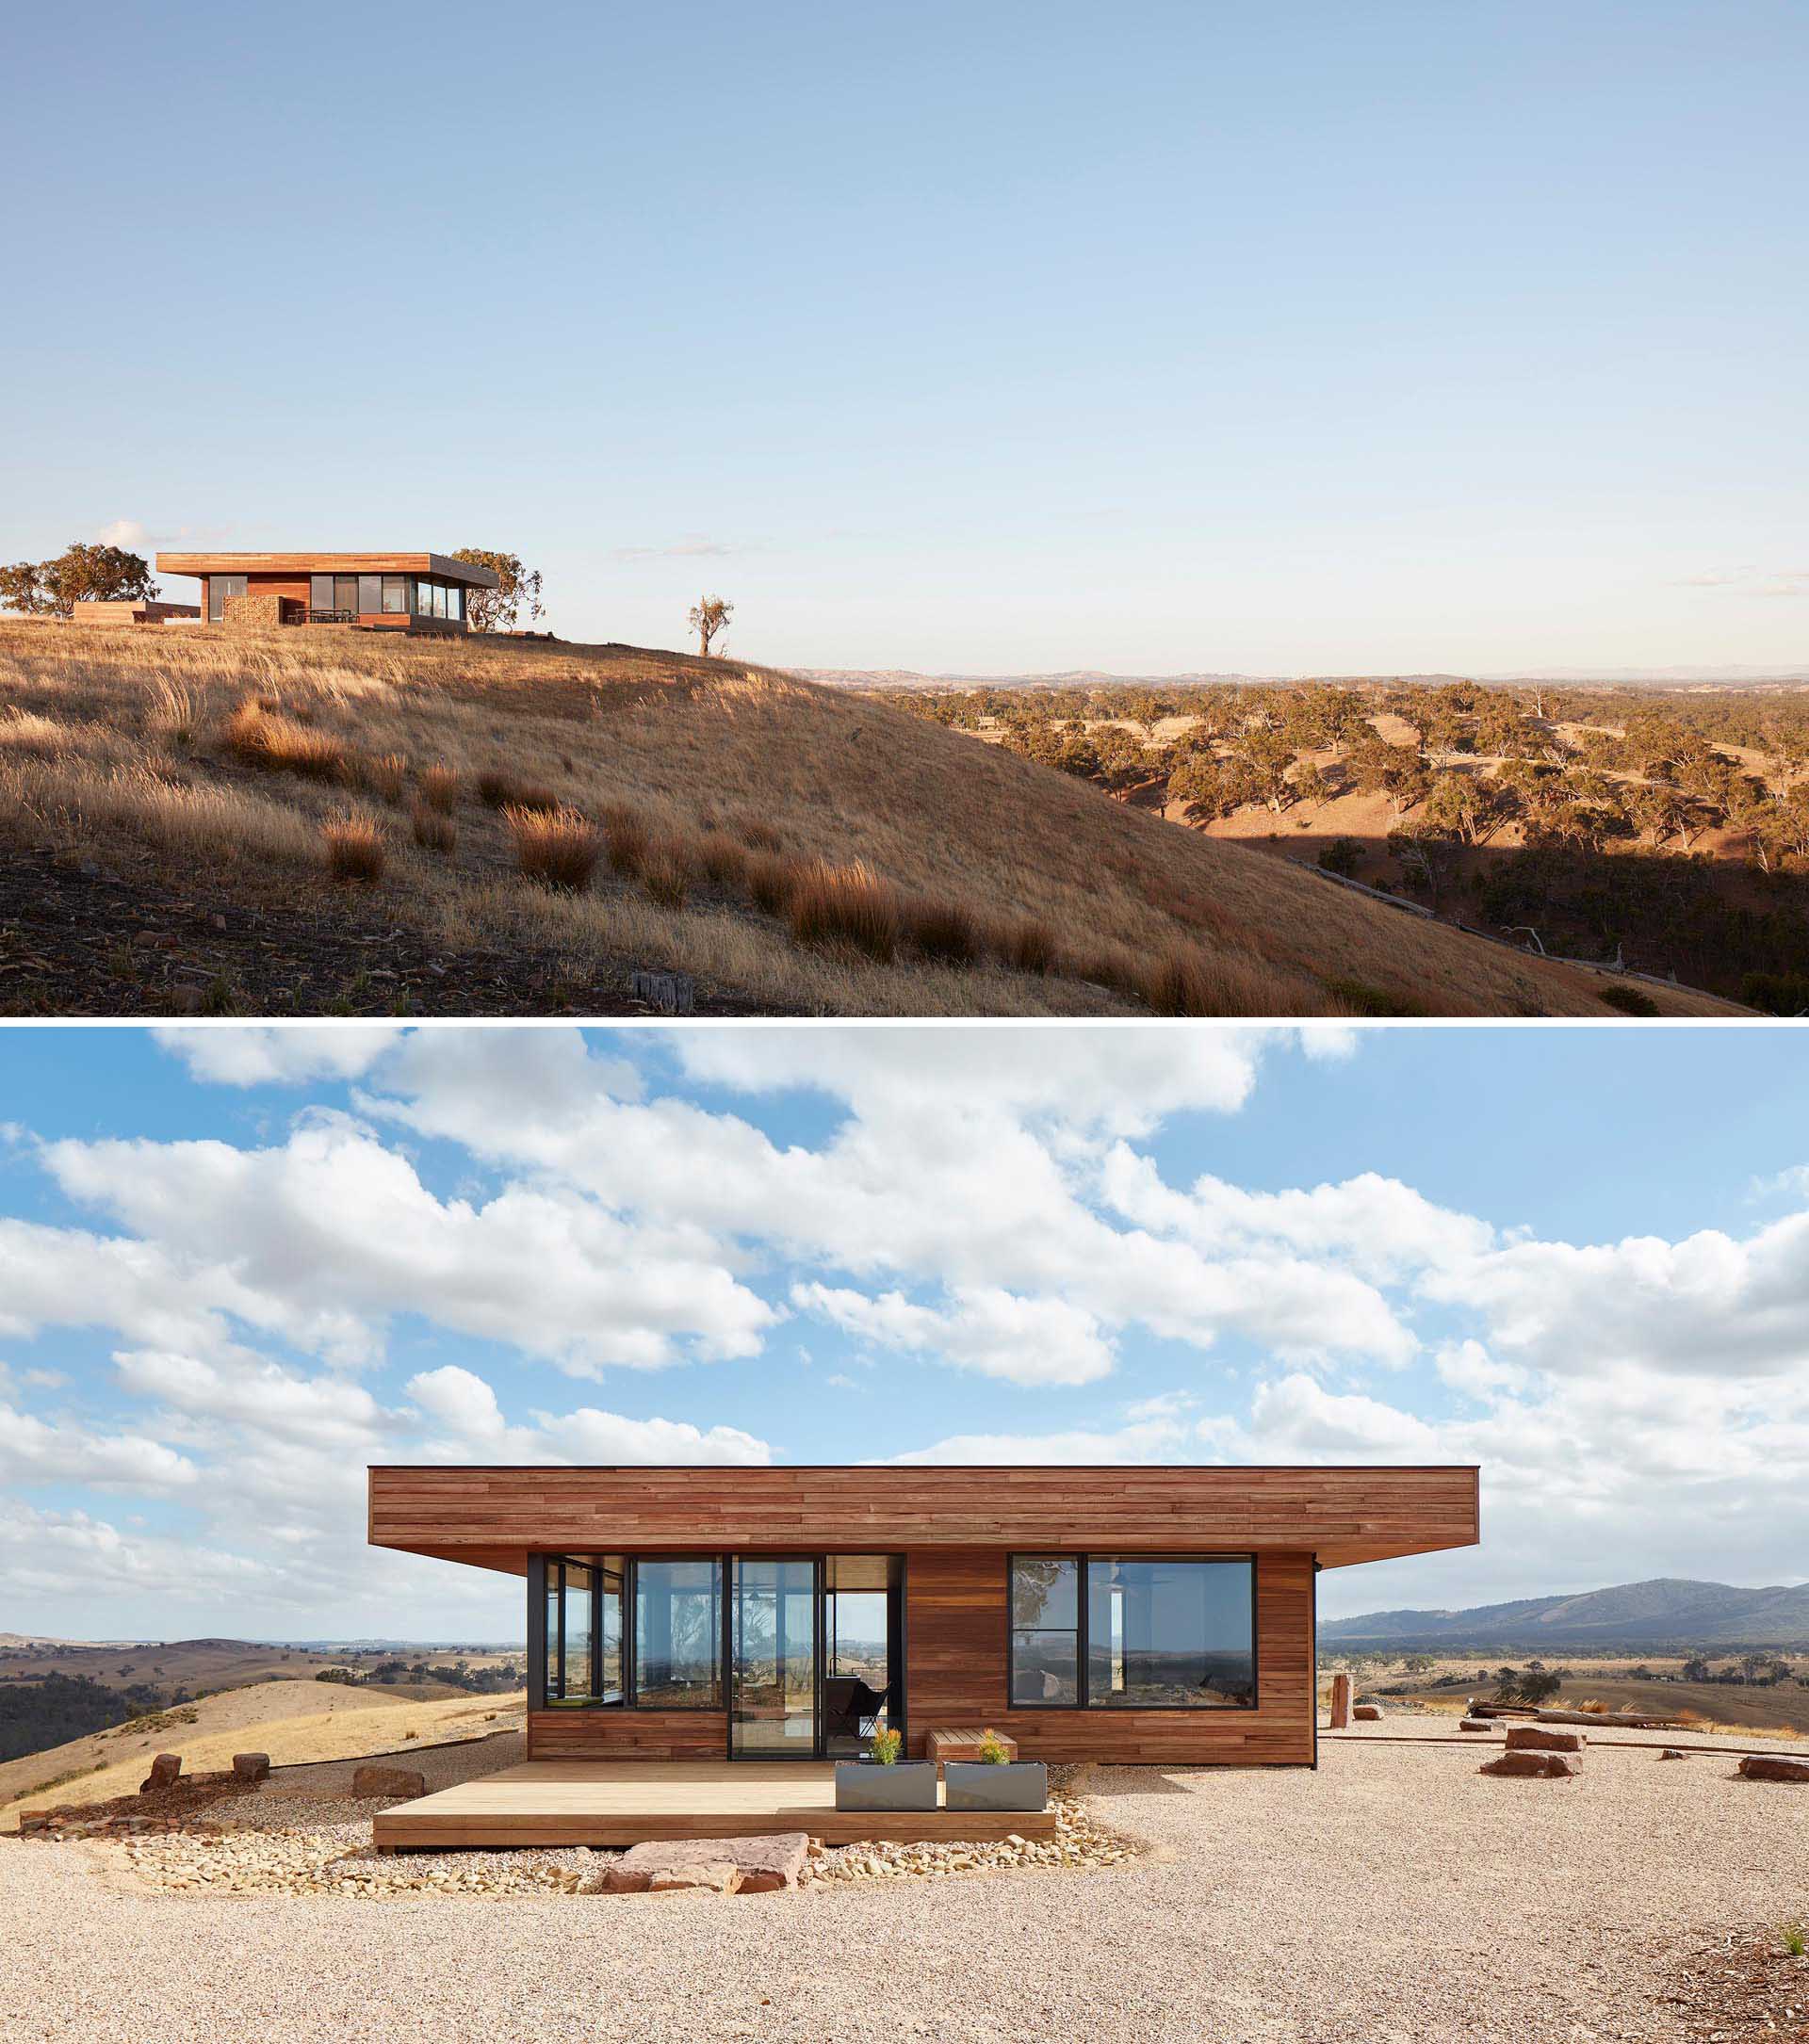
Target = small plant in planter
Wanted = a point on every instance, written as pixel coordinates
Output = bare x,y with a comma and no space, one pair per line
995,1780
993,1750
887,1746
884,1780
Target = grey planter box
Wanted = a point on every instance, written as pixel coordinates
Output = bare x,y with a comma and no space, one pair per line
866,1785
1012,1785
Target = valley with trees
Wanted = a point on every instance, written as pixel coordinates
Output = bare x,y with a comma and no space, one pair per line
1665,829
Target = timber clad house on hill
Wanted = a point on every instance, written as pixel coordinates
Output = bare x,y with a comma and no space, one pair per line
407,593
1164,1615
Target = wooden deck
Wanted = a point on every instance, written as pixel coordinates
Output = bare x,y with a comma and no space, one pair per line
628,1802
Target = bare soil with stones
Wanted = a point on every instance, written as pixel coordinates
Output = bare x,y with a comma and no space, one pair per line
1394,1896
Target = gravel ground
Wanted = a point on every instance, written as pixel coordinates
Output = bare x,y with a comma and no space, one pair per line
1393,1897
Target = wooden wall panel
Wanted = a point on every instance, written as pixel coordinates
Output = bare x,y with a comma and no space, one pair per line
610,1734
956,1630
1342,1515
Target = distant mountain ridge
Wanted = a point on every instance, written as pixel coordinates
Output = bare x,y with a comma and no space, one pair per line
1668,1610
859,678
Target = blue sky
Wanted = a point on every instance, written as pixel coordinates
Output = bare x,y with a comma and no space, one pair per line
1302,339
237,1264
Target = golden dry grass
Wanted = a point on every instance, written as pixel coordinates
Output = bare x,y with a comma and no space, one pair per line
293,1722
1080,905
356,846
558,847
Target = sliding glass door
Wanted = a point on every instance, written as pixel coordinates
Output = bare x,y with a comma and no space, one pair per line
773,1656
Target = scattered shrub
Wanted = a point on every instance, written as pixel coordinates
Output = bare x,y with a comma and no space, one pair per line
846,904
559,848
260,737
1776,992
628,835
433,830
1361,998
665,872
1344,855
355,848
440,788
942,931
1628,1000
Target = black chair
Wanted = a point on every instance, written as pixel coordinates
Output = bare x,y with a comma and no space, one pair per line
851,1707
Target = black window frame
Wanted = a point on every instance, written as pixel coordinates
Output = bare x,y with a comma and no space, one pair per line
1082,1643
552,1652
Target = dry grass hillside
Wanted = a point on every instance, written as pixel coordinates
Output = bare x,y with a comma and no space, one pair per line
340,822
290,1721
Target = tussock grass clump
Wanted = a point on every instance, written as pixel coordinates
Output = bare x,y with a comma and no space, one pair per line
1026,946
759,836
356,846
559,848
387,775
846,904
942,930
665,870
629,834
440,788
28,736
262,737
433,830
499,790
770,880
721,859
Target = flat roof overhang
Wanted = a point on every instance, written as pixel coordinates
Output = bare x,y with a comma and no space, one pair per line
421,563
495,1518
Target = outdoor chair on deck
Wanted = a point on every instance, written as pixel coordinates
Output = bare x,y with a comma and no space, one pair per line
851,1707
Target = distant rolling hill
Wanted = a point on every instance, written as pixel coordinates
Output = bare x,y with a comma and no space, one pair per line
1668,1611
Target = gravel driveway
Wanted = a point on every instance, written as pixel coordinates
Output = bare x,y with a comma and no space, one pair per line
1395,1895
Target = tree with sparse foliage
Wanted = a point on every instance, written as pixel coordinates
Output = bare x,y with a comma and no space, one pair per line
82,573
497,609
710,617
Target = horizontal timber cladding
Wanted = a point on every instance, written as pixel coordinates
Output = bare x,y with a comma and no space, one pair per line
609,1733
958,1633
492,1517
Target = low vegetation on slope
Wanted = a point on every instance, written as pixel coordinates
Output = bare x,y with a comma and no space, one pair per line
1668,828
796,850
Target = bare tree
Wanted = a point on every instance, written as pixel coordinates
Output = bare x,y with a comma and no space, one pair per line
709,615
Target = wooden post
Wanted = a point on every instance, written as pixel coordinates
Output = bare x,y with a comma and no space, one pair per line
1340,1702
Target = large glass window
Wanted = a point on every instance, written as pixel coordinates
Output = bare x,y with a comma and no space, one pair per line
455,602
218,588
320,593
678,1635
1045,1629
1161,1633
345,593
584,1632
370,594
395,594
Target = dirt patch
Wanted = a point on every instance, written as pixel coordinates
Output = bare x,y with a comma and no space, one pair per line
1748,1985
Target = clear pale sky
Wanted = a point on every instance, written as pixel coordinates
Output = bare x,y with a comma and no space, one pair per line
237,1264
976,337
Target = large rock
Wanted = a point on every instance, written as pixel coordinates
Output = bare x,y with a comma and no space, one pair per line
1554,1766
164,1772
760,1864
1366,1713
1773,1767
251,1766
1478,1723
1544,1739
400,1781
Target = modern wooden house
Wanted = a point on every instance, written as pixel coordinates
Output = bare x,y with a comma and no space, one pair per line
406,593
1161,1615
